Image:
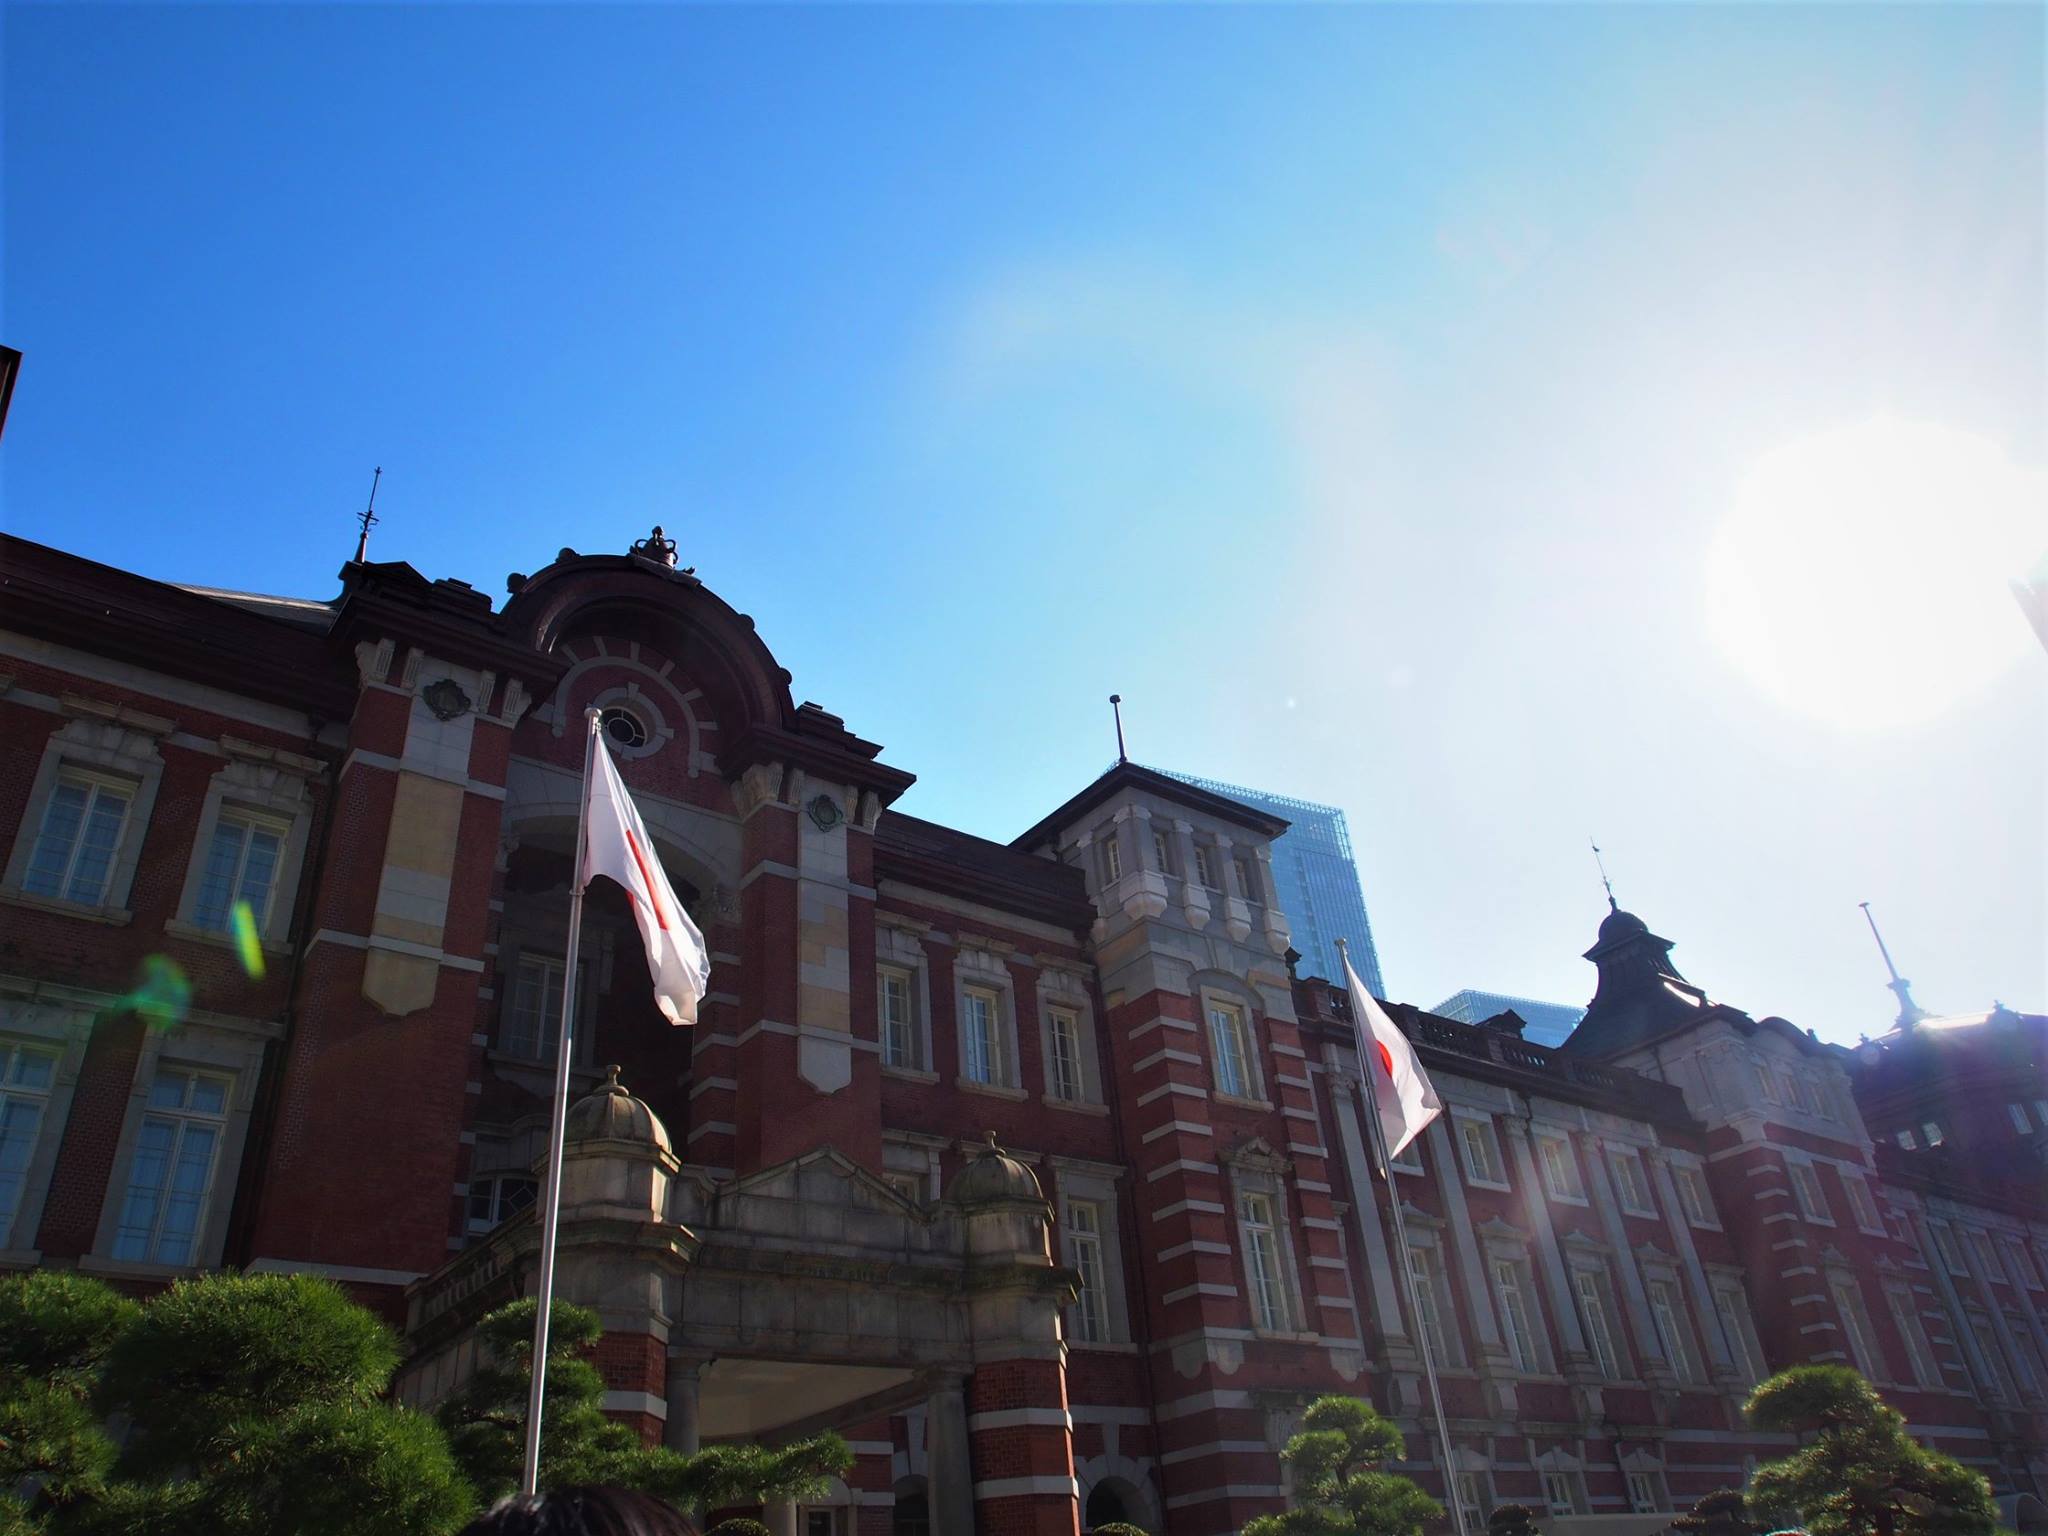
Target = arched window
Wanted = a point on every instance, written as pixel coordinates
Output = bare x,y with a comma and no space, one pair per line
1106,1504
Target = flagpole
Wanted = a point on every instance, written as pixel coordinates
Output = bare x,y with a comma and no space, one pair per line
551,1207
1407,1265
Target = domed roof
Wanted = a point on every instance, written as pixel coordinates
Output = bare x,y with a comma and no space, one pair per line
993,1175
612,1114
1618,925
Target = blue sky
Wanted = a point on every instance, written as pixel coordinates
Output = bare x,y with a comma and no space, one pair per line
1359,391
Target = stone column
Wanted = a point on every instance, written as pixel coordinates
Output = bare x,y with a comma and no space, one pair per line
1649,1344
780,1517
1386,1286
1979,1368
1556,1283
1711,1325
1194,895
680,1432
950,1478
1237,915
1492,1353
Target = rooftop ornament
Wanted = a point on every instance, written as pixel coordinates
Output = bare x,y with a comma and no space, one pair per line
660,550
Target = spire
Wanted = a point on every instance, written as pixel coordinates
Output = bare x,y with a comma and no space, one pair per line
1910,1012
1601,865
1116,705
368,518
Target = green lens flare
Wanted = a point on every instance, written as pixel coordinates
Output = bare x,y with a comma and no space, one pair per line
162,994
247,943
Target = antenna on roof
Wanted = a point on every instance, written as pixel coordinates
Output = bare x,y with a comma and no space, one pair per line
1602,865
1910,1012
368,517
1116,704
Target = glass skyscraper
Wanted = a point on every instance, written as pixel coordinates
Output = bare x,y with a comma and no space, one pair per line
1317,881
1543,1023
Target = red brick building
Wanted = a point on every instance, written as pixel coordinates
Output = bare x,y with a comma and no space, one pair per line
1029,1166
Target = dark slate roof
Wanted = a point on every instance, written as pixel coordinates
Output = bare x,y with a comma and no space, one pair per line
959,864
1124,776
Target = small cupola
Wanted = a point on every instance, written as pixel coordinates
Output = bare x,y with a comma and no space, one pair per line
616,1159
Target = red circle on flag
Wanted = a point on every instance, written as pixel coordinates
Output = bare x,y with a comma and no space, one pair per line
1386,1056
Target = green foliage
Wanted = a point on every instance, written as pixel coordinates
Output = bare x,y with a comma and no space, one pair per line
1339,1487
1724,1512
1116,1528
1859,1472
486,1427
1511,1520
55,1331
739,1528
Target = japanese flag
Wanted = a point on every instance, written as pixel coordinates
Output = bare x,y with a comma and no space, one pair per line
616,845
1400,1088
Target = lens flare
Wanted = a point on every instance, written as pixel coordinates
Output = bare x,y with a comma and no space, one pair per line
162,995
248,943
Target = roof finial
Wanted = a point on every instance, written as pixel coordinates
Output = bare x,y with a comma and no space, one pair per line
368,518
1602,865
1910,1012
1116,705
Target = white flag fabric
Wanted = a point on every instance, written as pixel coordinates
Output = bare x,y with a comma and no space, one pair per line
1401,1090
616,845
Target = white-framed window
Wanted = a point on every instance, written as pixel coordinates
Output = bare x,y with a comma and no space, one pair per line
1162,851
1813,1201
27,1075
1692,1195
1247,887
1999,1387
1856,1328
981,1035
1823,1098
1560,1167
1795,1092
1987,1255
171,1173
1862,1207
242,862
1645,1493
1112,860
1063,1048
1084,1257
1559,1493
1430,1299
1931,1130
1767,1083
1905,1140
1205,866
2041,1110
497,1197
896,1018
1481,1151
1596,1320
911,1186
1631,1188
2018,1114
1731,1304
1409,1158
2026,1358
75,846
1946,1250
1472,1499
1898,1300
1514,1315
2019,1266
1271,1308
532,1020
1230,1050
1667,1310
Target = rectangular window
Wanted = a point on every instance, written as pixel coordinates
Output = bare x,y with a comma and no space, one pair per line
175,1148
1246,888
1482,1160
1813,1202
498,1198
1227,1045
1643,1496
1669,1314
909,1185
1422,1265
1113,859
1560,1169
241,865
26,1075
1593,1317
899,1026
1861,1205
1987,1256
1856,1330
1514,1315
81,832
1409,1158
1557,1493
2026,1359
1795,1091
1822,1099
1767,1084
1905,1139
1629,1184
2041,1110
1205,867
533,1023
1066,1054
1931,1129
1945,1247
1999,1387
2020,1122
1262,1263
1471,1501
1733,1308
1084,1255
2019,1265
980,1040
1692,1194
1906,1320
1159,853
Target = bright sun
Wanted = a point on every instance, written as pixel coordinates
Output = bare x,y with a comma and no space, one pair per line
1862,575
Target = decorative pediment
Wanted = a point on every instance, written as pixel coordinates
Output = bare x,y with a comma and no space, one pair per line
1832,1255
1580,1242
1494,1230
1415,1216
1257,1154
1650,1253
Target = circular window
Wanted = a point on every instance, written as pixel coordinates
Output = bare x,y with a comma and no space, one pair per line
622,728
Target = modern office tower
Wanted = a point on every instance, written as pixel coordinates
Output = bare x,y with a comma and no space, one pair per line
1317,880
1545,1023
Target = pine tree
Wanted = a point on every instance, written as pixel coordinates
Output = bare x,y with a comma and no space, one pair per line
56,1330
1339,1487
1860,1473
1724,1512
1511,1520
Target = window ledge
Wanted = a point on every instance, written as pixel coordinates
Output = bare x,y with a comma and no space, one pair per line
1075,1106
1244,1103
95,1264
179,929
113,917
1638,1215
1579,1201
20,1258
909,1074
993,1090
1493,1184
1102,1346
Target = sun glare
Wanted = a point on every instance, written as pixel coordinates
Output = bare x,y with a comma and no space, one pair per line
1862,575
